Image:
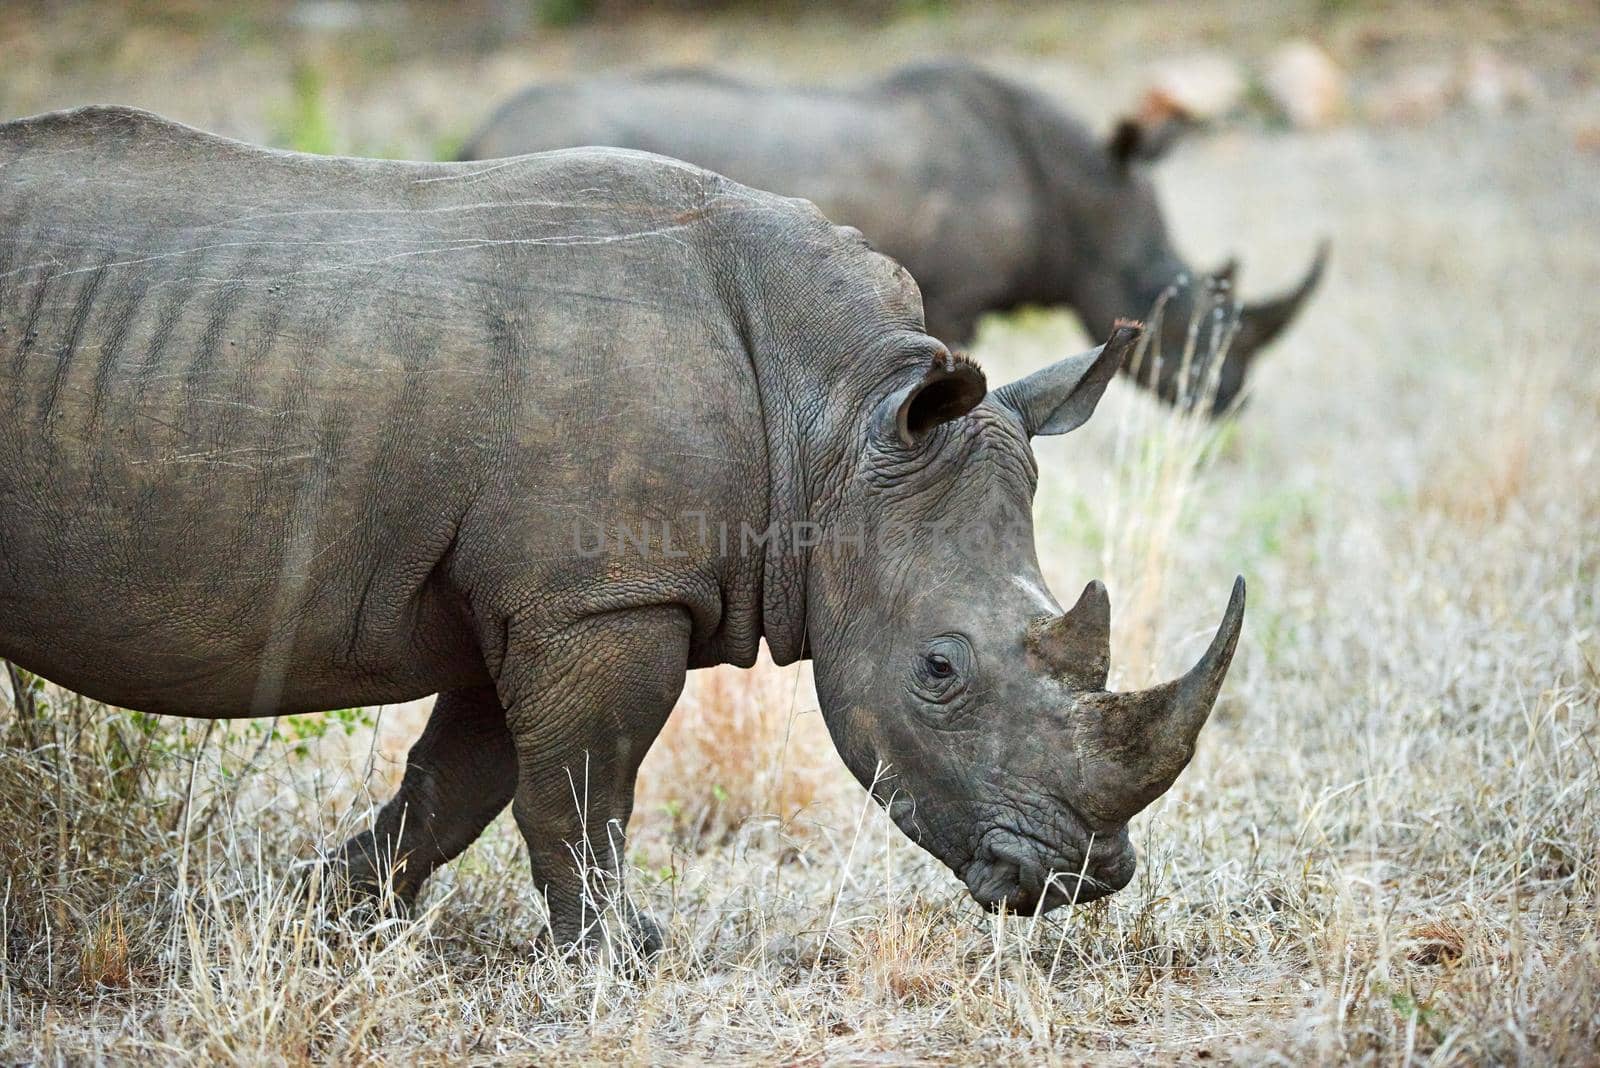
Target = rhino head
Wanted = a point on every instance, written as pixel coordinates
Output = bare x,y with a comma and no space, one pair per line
955,687
1122,263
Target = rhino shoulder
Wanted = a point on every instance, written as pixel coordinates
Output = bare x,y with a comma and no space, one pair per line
626,174
1032,119
957,76
977,86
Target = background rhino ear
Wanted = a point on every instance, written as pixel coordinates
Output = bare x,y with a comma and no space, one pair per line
1143,142
951,388
1063,396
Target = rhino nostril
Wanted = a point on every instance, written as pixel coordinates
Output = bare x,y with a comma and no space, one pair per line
993,877
1022,873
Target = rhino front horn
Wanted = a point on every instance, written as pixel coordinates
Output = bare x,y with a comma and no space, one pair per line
1131,747
1260,322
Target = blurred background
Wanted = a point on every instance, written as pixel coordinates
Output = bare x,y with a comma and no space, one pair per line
1386,846
402,78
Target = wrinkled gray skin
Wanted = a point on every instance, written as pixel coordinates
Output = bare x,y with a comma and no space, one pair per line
986,192
284,433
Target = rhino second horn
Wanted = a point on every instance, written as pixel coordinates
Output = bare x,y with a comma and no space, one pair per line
1134,745
1076,646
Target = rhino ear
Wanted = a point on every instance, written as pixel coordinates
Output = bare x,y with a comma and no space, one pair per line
1063,396
949,389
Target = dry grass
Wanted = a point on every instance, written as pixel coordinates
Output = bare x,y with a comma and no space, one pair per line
1386,850
748,742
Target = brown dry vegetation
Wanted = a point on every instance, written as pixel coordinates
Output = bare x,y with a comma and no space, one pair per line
1386,849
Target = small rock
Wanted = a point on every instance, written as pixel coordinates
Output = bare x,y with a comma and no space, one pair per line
1306,84
1415,95
1200,87
1493,85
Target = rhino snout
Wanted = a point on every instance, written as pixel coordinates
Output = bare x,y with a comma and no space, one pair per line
1026,875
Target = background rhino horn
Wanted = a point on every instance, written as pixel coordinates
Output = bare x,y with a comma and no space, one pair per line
1144,739
1259,323
1227,274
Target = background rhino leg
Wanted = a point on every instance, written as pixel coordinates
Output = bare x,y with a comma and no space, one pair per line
583,708
459,775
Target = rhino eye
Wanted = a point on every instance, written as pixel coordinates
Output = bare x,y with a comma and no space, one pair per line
942,668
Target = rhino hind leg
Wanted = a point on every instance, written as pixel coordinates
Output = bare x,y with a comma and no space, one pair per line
583,707
460,774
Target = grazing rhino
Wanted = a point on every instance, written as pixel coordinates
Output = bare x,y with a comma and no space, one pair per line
285,433
986,192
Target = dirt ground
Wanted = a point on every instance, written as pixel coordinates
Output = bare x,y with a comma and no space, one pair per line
1386,849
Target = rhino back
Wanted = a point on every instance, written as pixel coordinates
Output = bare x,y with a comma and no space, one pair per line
925,162
254,404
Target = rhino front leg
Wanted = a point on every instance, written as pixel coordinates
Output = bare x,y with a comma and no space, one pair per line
460,775
583,709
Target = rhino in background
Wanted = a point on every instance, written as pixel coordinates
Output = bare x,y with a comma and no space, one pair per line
286,433
984,190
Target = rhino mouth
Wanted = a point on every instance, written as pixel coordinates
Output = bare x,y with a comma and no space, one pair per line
1024,875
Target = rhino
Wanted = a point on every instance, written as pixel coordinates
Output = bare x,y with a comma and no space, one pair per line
987,192
287,433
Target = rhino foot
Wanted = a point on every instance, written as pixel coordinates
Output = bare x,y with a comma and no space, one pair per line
630,942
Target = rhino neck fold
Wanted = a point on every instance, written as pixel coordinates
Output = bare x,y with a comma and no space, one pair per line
800,451
783,566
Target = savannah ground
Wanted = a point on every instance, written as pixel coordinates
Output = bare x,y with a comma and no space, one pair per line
1386,849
